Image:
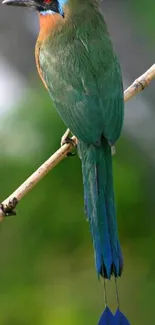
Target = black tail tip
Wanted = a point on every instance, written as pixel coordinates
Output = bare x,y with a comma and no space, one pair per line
113,271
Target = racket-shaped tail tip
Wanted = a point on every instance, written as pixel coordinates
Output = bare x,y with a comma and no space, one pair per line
120,319
107,318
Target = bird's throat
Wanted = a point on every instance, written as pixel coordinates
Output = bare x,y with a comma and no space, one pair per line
48,23
47,12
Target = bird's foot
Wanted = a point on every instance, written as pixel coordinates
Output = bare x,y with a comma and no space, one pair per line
66,139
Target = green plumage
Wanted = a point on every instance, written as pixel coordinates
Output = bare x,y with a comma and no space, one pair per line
76,61
84,79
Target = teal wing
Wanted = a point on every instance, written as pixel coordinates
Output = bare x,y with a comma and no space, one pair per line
85,83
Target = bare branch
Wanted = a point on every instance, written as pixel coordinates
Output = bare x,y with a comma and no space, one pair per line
7,206
140,84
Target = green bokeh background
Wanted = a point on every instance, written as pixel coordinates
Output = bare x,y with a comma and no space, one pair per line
47,273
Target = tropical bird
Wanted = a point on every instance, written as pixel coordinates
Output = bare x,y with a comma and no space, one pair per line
78,66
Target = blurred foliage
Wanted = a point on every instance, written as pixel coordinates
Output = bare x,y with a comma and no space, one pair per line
144,11
47,273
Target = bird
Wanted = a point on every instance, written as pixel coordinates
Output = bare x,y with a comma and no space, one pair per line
78,65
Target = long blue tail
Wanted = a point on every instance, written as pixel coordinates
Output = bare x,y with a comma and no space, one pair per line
100,207
101,213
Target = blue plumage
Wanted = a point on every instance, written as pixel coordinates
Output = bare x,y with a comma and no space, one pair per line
120,319
100,207
107,317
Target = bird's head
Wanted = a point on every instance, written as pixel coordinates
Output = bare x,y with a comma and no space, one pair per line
43,6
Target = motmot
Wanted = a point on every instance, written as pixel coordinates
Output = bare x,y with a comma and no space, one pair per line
79,68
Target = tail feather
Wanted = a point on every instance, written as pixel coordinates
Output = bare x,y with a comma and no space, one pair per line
120,319
111,212
107,318
100,207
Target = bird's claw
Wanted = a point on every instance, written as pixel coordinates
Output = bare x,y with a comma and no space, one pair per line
67,140
73,142
71,154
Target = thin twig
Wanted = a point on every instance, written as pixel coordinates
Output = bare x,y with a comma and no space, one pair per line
140,84
7,206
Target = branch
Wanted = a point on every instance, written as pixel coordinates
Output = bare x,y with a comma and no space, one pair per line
7,206
140,84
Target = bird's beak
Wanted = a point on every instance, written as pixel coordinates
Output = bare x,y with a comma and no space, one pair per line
20,3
